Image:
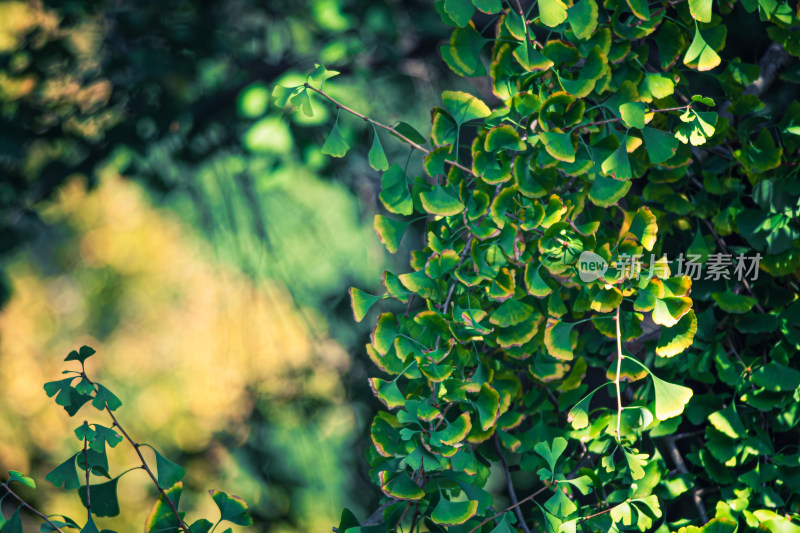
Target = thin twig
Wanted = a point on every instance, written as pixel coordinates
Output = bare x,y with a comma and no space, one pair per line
619,119
146,468
507,509
604,511
29,507
389,129
511,492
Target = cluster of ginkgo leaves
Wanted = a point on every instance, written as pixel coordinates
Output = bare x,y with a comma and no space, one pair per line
83,469
546,331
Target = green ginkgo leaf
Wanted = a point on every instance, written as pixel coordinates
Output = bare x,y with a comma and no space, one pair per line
660,145
558,145
644,228
700,10
552,12
618,165
335,144
169,472
361,303
700,55
103,497
390,232
464,107
449,513
635,462
387,392
503,137
670,398
395,195
65,474
489,7
632,114
734,303
728,422
607,191
510,313
460,11
582,18
437,201
578,416
534,281
487,405
676,339
376,156
551,452
669,310
232,508
558,339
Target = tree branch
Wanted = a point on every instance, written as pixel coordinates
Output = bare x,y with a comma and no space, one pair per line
507,509
681,466
387,128
146,468
511,492
29,507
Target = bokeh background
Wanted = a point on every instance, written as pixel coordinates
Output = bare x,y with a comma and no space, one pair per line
156,205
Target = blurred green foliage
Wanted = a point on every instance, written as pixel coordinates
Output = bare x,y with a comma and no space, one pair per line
173,96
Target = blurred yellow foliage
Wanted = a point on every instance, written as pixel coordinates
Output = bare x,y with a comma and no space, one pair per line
183,340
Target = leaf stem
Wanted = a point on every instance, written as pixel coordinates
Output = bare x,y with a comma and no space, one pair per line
387,128
29,507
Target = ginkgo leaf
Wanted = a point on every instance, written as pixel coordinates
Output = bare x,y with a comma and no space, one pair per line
439,202
376,156
450,513
671,399
557,339
335,145
618,165
669,310
558,145
582,18
676,339
395,194
660,145
700,55
632,114
700,10
390,232
464,107
552,12
644,228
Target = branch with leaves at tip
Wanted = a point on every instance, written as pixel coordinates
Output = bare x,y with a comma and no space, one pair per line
145,467
28,506
390,129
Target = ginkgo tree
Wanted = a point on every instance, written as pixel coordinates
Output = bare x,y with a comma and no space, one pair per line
605,309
